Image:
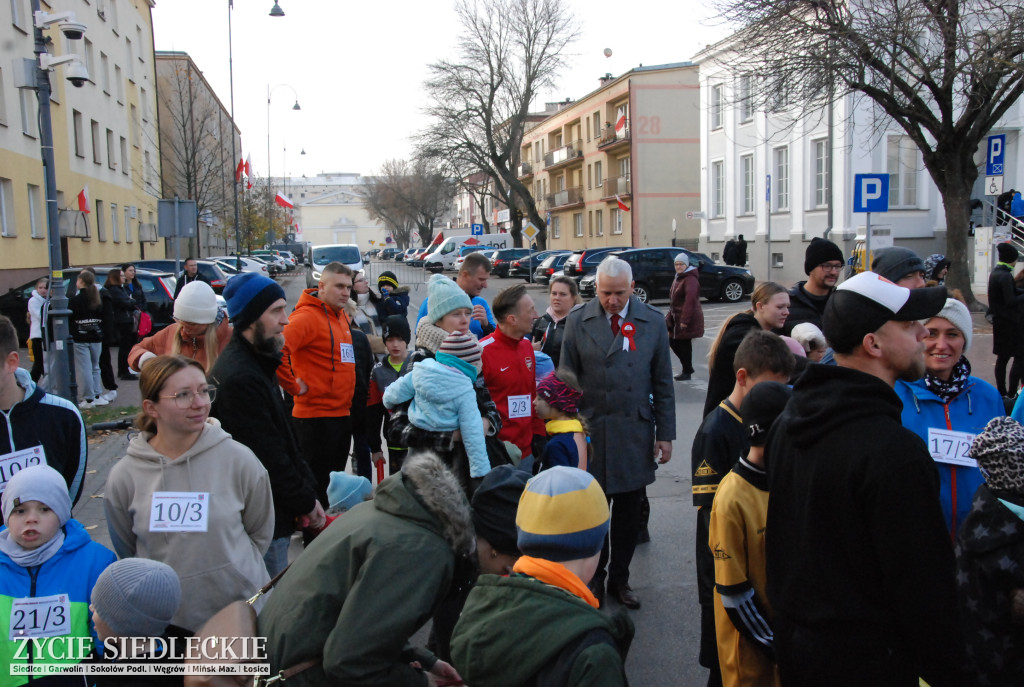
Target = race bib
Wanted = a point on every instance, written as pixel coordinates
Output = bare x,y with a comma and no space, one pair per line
948,446
348,354
179,511
11,463
518,406
40,616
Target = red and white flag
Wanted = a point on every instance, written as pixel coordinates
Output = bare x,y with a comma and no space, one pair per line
248,165
284,201
239,169
622,206
83,200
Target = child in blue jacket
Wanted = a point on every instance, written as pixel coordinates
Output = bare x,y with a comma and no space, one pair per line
48,567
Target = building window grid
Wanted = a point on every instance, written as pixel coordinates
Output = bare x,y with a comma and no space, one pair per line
717,188
119,84
124,155
6,210
29,118
79,133
115,231
3,100
127,226
821,173
111,151
599,221
577,222
781,181
101,228
19,15
746,105
34,218
717,97
556,227
130,58
105,72
616,221
747,170
902,166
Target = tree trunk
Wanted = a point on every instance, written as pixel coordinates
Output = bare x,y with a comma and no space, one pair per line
956,196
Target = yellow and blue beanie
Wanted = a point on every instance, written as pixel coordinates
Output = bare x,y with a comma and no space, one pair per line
563,515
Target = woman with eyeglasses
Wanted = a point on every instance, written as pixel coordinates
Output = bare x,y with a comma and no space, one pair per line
190,496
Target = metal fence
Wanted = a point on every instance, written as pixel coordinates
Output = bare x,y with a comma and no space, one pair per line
413,277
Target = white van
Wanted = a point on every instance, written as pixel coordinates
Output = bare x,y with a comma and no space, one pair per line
317,257
443,257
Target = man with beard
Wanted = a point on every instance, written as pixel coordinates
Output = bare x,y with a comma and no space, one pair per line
860,568
250,407
823,261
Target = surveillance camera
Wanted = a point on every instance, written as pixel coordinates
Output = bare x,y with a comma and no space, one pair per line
78,75
73,30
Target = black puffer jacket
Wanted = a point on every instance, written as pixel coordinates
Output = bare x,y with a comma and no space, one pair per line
550,332
721,376
803,307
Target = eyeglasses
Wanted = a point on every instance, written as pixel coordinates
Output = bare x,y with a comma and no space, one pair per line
185,399
831,266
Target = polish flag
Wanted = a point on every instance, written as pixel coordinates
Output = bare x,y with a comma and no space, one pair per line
621,123
283,200
622,206
239,169
83,200
248,166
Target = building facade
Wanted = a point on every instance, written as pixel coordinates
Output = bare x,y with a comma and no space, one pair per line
105,140
329,209
620,166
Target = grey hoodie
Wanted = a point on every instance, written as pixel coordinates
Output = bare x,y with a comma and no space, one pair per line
216,567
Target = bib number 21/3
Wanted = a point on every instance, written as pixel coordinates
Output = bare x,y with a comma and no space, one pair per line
40,616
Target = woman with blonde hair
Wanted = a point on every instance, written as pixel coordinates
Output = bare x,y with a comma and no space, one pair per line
200,330
769,310
190,496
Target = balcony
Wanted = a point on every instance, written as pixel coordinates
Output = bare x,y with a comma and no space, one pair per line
525,169
612,139
565,155
617,186
565,198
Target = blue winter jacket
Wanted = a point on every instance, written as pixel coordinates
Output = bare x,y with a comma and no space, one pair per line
443,400
968,412
73,570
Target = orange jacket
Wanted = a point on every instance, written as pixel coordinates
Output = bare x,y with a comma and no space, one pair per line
162,342
318,350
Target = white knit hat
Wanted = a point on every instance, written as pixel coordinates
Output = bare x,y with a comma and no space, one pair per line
960,317
197,303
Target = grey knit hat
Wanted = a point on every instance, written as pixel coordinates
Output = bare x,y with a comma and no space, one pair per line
137,597
999,451
37,483
960,317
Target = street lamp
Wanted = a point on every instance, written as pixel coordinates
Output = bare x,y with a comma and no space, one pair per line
270,93
276,10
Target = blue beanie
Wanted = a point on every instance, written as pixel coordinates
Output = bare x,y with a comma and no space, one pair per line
563,515
347,491
443,296
248,296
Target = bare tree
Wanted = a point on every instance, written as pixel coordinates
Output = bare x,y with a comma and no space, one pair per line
509,50
944,71
256,219
408,197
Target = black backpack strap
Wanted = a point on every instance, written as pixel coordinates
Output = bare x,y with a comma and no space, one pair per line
557,671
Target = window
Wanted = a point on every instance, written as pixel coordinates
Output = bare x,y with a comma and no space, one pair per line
76,118
745,98
111,151
35,216
781,180
747,170
597,125
144,103
148,170
130,56
105,72
20,15
6,209
101,228
821,173
590,176
115,231
616,221
3,102
599,221
624,167
29,121
135,125
139,42
97,151
127,226
716,107
556,227
577,222
717,189
598,173
90,63
119,84
901,163
113,15
124,156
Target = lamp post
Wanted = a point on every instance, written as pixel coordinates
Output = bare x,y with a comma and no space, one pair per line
270,93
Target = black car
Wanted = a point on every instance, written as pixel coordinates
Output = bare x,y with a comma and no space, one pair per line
523,267
502,259
584,262
654,270
547,269
388,253
156,284
209,269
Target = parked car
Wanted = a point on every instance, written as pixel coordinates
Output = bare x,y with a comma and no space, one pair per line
320,256
463,252
502,260
584,262
388,253
404,255
158,286
419,257
209,269
248,264
274,256
523,267
654,270
551,266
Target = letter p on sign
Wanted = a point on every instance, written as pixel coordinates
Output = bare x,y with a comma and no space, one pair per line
871,193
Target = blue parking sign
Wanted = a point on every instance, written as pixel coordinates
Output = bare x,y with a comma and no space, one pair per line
477,230
871,193
996,156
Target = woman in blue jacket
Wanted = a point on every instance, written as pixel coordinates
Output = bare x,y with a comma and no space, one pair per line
948,408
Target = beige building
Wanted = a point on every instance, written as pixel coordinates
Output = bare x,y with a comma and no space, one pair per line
636,139
329,209
196,159
104,134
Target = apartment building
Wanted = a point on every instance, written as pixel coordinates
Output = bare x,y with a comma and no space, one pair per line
779,167
105,139
196,157
620,166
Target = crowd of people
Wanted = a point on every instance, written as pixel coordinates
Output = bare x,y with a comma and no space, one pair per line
858,491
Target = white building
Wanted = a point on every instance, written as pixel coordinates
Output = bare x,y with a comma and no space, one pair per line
329,209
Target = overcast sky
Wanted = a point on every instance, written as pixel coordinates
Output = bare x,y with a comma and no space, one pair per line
357,68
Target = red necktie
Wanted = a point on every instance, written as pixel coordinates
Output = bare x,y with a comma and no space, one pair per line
615,325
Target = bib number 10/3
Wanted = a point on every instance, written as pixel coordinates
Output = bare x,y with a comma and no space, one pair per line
179,511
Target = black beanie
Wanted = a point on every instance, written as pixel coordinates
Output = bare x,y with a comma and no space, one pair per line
495,504
396,325
762,404
820,251
1007,252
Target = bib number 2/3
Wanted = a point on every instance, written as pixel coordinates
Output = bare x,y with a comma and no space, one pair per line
179,511
40,616
519,406
953,448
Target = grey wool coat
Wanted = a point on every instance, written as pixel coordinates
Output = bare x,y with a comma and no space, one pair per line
618,388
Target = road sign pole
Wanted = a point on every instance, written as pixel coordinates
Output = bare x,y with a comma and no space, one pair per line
768,223
867,245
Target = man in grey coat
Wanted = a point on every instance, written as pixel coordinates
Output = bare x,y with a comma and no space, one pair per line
617,349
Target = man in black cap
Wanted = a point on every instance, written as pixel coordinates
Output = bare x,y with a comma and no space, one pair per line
860,567
823,261
899,265
1004,303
